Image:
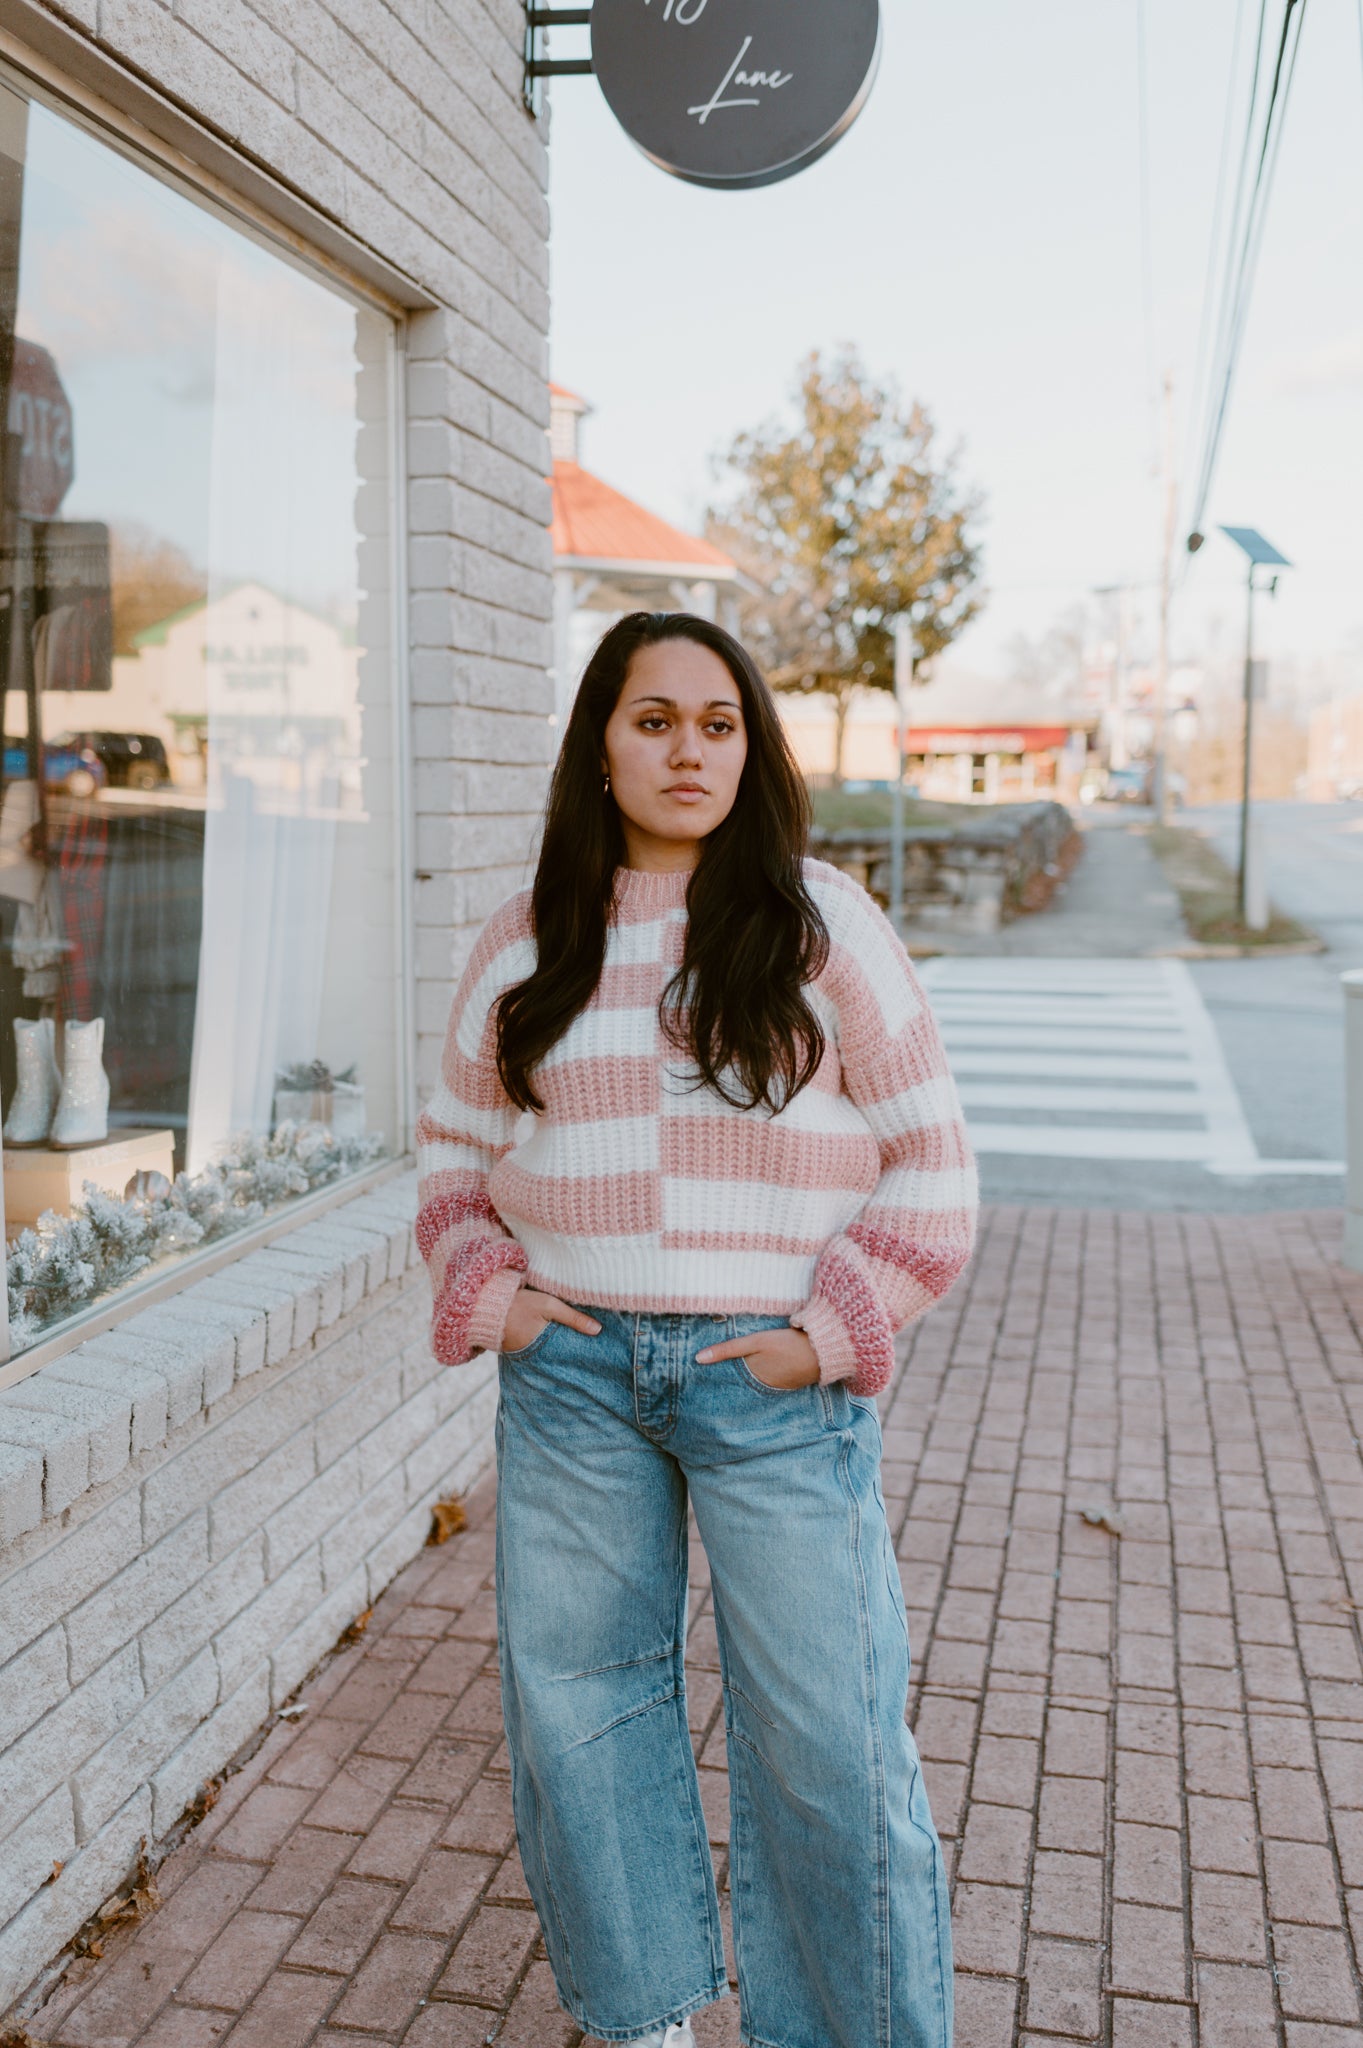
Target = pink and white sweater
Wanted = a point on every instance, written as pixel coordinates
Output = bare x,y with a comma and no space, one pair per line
851,1210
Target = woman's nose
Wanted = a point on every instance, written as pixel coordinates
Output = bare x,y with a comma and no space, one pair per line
687,750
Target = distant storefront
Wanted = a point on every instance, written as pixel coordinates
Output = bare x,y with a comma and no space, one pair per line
967,741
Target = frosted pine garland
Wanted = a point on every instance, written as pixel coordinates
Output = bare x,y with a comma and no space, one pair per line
66,1262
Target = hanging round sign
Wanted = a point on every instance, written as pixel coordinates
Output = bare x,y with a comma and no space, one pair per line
732,93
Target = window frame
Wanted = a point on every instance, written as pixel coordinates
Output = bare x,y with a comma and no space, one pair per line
141,148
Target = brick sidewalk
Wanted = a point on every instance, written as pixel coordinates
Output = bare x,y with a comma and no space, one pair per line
1145,1751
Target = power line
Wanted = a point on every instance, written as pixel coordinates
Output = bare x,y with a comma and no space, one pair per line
1237,209
1147,257
1248,224
1201,364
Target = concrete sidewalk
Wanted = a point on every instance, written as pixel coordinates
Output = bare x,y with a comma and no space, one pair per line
1145,1749
1117,903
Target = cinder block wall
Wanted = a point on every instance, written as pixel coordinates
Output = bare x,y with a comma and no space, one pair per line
216,1498
186,1525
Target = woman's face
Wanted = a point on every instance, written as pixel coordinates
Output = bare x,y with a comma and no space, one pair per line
674,749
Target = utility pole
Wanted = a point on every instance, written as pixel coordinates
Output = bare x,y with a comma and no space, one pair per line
1116,696
903,683
1251,897
1161,789
1248,892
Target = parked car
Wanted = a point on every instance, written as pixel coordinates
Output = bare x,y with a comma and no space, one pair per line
67,765
1127,785
132,760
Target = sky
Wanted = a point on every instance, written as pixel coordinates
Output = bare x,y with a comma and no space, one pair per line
212,382
978,236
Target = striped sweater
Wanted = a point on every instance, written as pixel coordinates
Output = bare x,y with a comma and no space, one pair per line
851,1210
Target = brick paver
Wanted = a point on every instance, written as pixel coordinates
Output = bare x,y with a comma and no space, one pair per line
1144,1749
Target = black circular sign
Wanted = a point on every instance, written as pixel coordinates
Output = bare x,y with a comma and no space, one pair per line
732,93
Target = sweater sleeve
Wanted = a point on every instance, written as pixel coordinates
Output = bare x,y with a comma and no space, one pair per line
469,1124
915,1234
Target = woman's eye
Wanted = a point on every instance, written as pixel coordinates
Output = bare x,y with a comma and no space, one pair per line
653,723
720,726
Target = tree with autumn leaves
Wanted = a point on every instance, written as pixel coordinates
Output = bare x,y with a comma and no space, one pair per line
841,525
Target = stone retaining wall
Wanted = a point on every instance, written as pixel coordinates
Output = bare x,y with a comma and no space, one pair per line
969,877
192,1509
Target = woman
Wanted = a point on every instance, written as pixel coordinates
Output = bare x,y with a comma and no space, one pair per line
695,1158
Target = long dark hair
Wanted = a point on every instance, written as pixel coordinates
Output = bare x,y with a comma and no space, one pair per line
754,935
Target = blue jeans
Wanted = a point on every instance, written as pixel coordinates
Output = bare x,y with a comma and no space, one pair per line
840,1906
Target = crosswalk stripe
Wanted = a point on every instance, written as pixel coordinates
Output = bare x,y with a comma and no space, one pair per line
1037,1044
1080,1096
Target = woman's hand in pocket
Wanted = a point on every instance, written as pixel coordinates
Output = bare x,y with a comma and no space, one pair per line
780,1358
531,1311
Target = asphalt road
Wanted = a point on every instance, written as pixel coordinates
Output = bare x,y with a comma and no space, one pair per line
1278,1023
1314,855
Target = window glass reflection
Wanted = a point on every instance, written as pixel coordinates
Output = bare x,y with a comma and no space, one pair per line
197,923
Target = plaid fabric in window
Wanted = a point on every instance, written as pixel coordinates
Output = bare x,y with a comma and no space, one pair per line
81,854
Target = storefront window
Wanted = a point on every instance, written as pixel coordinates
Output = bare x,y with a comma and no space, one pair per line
198,937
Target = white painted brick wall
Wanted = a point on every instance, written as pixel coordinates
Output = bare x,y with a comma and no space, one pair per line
151,1622
193,1506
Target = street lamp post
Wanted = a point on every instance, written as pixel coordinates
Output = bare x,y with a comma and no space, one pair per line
903,682
1250,898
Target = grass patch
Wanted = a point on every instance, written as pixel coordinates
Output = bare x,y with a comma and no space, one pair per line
869,810
1206,890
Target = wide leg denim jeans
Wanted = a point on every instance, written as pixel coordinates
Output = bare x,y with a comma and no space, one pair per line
840,1905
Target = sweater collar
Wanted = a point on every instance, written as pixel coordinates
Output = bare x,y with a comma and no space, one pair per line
639,891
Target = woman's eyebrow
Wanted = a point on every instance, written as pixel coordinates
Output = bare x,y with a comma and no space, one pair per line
715,703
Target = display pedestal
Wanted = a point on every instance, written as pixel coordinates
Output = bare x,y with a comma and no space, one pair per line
38,1177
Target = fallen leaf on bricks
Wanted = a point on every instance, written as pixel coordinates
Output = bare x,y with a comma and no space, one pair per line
15,2037
57,1868
447,1519
1102,1515
350,1635
207,1799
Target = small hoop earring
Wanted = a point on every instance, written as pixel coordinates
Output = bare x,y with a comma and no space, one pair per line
606,787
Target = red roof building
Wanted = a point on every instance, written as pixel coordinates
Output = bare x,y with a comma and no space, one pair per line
613,556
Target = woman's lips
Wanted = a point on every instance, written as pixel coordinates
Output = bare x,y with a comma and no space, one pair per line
687,792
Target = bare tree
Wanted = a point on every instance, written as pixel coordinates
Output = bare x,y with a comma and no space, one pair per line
152,578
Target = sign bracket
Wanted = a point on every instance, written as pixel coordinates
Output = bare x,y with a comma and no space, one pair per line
537,66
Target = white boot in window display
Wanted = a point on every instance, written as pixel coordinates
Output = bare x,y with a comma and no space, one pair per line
35,1095
83,1113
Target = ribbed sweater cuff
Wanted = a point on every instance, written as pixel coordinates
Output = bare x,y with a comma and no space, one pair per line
830,1337
487,1319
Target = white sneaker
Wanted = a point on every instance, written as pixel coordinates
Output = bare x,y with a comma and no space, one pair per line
666,2037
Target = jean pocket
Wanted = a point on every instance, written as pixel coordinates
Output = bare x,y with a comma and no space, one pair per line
529,1350
752,1326
745,1372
